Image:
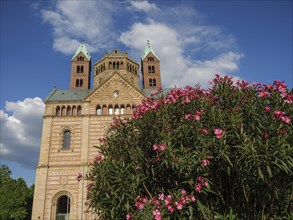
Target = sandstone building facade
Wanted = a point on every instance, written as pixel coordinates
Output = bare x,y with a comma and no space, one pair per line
76,118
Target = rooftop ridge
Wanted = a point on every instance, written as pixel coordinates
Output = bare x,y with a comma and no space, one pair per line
82,48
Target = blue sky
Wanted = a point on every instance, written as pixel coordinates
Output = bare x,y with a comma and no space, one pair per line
250,40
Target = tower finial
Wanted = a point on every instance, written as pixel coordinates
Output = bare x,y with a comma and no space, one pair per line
148,42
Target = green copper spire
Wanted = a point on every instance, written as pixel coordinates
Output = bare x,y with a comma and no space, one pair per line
82,48
149,49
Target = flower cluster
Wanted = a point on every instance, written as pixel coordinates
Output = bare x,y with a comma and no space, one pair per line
219,133
281,116
140,201
196,115
163,201
160,147
202,182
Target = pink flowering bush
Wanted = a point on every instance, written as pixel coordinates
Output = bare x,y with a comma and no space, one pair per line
224,153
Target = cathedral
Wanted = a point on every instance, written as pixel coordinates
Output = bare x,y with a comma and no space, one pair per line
76,118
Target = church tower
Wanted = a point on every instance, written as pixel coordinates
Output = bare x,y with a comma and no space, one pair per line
80,69
150,68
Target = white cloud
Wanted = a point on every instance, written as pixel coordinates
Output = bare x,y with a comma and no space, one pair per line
143,5
190,51
21,131
76,22
176,67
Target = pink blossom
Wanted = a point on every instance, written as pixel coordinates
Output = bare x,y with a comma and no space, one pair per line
139,205
286,119
155,147
162,147
267,108
289,99
188,116
183,191
170,208
198,188
197,117
205,163
161,196
219,133
205,183
79,177
193,198
157,214
179,205
89,186
205,131
129,216
98,158
263,94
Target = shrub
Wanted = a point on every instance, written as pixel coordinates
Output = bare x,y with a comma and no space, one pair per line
223,153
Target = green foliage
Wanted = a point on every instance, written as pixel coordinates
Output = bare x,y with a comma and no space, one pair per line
222,153
15,197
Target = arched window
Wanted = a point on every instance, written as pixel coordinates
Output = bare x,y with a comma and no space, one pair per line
81,82
77,83
81,69
128,109
122,110
152,82
78,69
117,65
114,65
98,110
66,139
79,110
68,111
58,111
153,69
63,110
74,110
104,110
116,110
63,207
110,110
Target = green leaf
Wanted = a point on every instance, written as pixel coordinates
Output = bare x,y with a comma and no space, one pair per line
201,207
260,173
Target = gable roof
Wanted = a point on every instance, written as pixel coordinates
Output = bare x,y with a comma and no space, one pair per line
82,48
149,49
57,95
109,79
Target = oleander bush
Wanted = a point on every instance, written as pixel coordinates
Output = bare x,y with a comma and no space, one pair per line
221,153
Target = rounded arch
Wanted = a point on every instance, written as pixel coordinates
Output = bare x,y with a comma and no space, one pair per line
62,205
58,111
104,110
63,110
110,109
128,109
79,110
98,110
68,110
116,109
74,112
122,109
